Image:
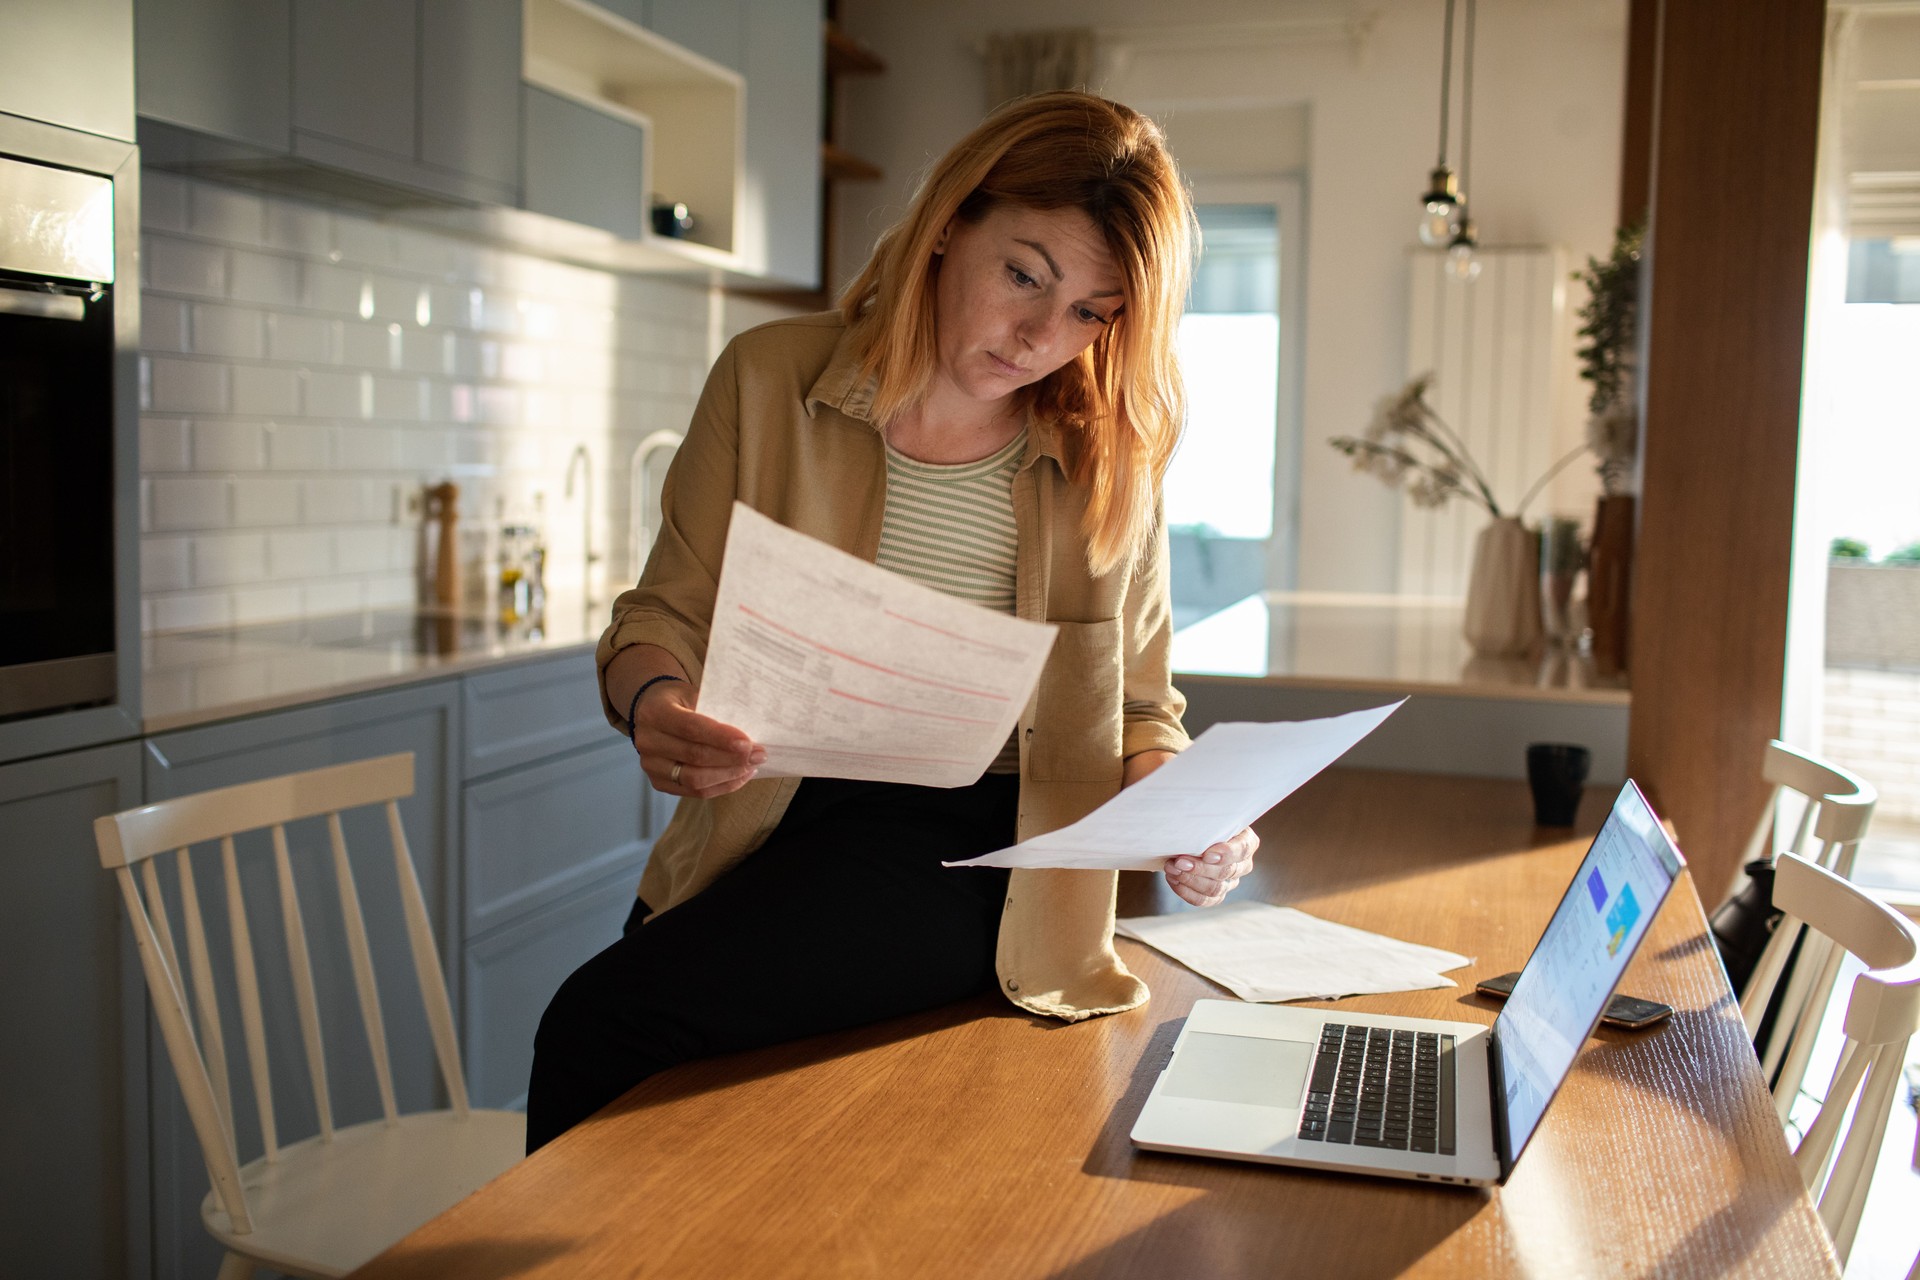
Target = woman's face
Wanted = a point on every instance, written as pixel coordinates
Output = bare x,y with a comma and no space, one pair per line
1019,294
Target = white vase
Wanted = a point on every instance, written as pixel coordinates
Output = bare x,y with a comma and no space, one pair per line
1503,591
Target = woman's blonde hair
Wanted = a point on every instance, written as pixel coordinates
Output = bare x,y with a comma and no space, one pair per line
1120,404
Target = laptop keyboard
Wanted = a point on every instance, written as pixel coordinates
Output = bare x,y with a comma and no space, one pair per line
1377,1087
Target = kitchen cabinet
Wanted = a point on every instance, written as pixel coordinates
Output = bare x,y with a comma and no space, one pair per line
423,719
70,64
585,164
711,28
380,102
73,1055
783,231
555,828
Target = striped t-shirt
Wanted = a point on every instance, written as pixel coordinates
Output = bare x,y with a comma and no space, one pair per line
950,526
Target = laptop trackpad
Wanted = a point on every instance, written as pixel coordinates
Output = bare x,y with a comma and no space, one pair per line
1250,1070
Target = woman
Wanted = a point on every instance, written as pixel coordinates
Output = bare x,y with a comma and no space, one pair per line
990,411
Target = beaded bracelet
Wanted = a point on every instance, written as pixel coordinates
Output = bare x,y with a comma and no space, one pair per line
634,705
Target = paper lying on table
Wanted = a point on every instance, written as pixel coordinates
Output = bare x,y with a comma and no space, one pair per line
841,669
1231,775
1262,952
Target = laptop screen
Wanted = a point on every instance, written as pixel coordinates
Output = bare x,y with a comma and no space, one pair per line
1559,996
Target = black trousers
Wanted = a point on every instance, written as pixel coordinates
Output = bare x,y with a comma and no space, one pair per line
844,917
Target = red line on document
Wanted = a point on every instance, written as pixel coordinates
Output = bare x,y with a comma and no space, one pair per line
912,711
874,666
952,635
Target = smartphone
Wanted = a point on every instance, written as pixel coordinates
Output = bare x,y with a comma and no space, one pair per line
1622,1011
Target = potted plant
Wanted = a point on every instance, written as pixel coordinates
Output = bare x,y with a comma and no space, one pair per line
1609,321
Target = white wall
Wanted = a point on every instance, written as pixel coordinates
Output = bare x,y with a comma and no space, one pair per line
1546,162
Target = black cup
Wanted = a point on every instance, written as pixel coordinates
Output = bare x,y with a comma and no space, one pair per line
1556,771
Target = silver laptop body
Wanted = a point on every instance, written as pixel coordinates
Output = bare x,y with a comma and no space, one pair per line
1243,1076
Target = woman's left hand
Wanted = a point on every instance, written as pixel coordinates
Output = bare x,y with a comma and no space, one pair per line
1205,878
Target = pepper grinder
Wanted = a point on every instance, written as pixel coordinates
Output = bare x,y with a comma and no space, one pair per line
443,506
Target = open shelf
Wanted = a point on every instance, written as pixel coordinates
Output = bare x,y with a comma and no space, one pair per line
688,111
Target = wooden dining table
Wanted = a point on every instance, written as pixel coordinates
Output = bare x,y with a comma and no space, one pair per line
978,1141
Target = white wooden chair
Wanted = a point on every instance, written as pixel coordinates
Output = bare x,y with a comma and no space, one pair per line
1838,809
324,1205
1882,1013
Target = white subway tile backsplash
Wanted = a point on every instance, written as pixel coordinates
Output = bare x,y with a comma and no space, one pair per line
266,603
229,446
299,446
190,610
334,595
363,243
298,554
266,391
265,278
222,213
364,345
164,564
263,500
221,560
181,266
324,287
187,386
400,399
299,228
163,324
227,331
298,339
363,550
165,444
336,500
191,502
366,448
306,371
335,395
163,201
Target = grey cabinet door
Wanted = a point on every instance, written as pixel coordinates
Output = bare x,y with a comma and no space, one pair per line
711,28
513,717
217,67
69,64
73,1104
469,89
536,834
423,720
785,65
513,972
356,73
583,165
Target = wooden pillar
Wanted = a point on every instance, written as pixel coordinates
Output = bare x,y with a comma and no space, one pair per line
1636,114
1735,122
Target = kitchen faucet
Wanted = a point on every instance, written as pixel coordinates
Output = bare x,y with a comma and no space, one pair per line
585,459
641,528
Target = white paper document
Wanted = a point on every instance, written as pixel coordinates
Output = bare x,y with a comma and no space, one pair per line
1262,952
841,669
1231,775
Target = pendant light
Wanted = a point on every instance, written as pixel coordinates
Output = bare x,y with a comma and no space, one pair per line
1440,214
1463,262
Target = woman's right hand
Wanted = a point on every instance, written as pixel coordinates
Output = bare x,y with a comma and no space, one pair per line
684,753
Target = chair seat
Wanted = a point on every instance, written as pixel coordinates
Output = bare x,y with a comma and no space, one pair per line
324,1208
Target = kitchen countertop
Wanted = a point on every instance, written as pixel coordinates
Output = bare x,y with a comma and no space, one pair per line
196,677
1376,643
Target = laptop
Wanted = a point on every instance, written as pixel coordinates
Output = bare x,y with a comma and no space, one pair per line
1416,1097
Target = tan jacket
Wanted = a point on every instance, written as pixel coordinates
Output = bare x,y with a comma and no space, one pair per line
784,426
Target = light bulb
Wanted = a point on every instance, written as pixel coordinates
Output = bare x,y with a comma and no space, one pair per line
1437,223
1463,264
1441,209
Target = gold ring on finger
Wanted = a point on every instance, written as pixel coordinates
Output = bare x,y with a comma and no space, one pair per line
674,775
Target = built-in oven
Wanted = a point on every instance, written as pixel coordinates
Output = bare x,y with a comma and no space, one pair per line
69,305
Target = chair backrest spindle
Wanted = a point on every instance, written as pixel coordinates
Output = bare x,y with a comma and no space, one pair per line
426,965
362,958
300,966
247,979
213,1042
